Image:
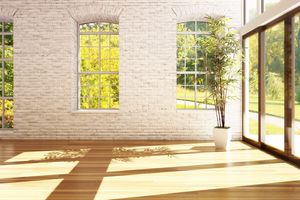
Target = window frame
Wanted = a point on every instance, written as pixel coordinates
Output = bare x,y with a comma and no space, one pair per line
79,73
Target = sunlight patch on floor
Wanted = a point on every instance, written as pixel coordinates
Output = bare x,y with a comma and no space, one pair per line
194,180
28,190
140,162
49,155
36,169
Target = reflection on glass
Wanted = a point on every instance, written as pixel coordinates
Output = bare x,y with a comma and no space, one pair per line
274,86
251,75
296,136
252,9
269,3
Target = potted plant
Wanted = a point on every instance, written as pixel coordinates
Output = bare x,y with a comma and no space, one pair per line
222,49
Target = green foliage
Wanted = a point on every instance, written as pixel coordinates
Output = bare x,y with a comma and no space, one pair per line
99,53
275,86
222,48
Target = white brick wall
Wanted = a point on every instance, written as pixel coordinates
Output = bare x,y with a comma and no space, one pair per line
45,69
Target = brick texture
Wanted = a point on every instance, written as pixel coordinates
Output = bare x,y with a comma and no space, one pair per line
45,41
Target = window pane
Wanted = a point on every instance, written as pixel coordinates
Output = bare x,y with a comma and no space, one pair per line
269,3
202,26
89,27
89,65
84,40
274,77
296,136
8,79
9,114
251,87
252,9
104,40
8,27
8,46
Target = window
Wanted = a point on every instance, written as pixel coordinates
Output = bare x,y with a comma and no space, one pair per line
252,9
270,3
99,66
6,75
192,75
251,87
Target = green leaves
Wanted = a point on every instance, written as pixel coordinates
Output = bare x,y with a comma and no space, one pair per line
222,48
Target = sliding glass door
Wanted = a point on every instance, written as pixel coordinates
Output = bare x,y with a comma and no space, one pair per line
251,87
274,86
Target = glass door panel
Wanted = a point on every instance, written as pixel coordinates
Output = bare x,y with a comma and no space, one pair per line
251,87
274,86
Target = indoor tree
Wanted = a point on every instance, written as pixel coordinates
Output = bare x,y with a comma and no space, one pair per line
222,49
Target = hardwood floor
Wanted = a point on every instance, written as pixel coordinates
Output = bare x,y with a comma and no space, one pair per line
141,170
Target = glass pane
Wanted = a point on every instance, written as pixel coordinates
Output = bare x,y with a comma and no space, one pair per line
1,53
89,27
180,79
9,114
180,40
191,52
114,41
105,65
114,96
8,48
270,3
190,26
94,40
252,10
296,136
94,103
84,40
8,79
104,27
89,65
114,28
1,117
8,27
114,53
190,79
190,40
190,96
84,103
105,101
104,40
94,53
251,87
181,65
274,77
1,79
180,52
186,27
201,97
105,53
190,65
84,53
202,26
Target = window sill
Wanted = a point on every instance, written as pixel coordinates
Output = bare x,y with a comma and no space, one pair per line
95,111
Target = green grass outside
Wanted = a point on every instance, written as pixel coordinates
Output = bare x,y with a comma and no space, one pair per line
270,128
275,108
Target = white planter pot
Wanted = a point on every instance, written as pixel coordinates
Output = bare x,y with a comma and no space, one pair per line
222,138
